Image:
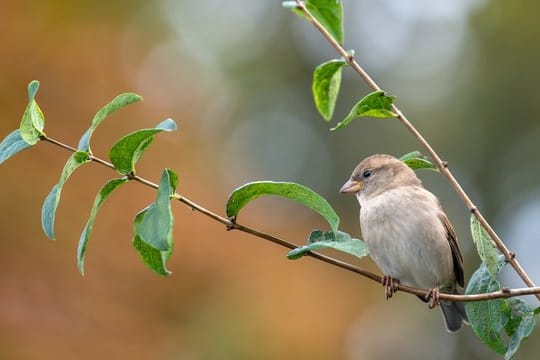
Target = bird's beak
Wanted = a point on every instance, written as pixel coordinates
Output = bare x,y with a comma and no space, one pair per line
351,186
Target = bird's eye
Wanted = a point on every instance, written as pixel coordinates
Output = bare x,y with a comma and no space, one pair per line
367,173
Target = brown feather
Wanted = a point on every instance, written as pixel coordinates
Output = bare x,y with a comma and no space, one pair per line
457,256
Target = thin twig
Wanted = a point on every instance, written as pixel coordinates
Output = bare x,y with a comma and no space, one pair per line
442,165
233,225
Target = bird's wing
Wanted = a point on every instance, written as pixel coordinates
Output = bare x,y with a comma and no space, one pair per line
457,256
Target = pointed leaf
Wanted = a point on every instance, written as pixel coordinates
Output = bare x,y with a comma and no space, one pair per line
299,193
103,194
33,120
157,222
127,151
328,12
416,161
517,308
154,259
486,248
48,210
319,239
11,145
520,326
33,88
330,15
411,155
326,83
117,103
487,318
376,104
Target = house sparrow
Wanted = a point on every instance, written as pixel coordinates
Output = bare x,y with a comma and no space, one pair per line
408,234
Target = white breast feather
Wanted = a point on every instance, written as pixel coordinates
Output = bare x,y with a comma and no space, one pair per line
412,248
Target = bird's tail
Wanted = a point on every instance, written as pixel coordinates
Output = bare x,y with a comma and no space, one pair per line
454,315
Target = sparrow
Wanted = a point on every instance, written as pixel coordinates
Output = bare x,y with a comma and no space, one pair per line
408,234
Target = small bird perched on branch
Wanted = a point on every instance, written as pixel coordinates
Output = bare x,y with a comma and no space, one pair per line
408,234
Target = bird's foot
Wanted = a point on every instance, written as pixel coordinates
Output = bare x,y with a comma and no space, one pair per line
433,297
390,286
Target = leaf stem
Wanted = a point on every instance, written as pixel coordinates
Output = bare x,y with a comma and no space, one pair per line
442,165
58,143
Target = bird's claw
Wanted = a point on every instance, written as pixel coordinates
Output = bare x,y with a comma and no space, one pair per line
390,286
433,297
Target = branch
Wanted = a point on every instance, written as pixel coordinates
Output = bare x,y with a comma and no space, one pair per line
442,165
232,225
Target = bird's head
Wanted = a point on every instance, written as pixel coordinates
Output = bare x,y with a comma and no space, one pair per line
377,174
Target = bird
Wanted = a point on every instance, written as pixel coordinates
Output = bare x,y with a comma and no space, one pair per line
408,233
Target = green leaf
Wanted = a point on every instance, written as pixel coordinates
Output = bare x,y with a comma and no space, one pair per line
248,192
487,251
117,103
326,83
487,318
11,145
157,221
416,161
103,194
520,326
33,120
153,258
127,151
48,210
412,155
517,309
376,104
328,12
319,239
419,163
153,227
33,88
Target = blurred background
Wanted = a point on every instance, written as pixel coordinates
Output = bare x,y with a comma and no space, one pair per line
236,76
